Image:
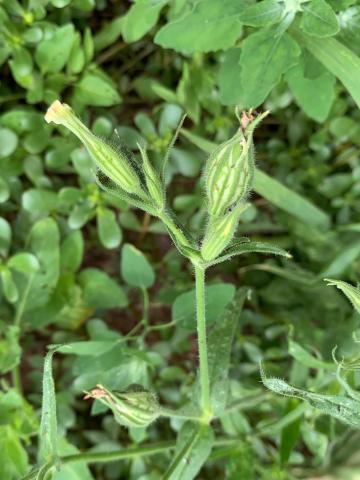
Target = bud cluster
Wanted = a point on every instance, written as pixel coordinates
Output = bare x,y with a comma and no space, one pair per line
229,175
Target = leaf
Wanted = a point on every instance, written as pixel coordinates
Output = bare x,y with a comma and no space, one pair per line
52,54
220,339
229,78
25,263
135,268
140,18
265,56
274,191
100,290
5,236
109,231
43,242
338,59
251,247
306,358
314,95
209,26
347,256
73,471
289,201
10,350
193,447
343,408
289,434
48,426
319,19
352,293
8,142
97,89
217,298
262,14
8,285
4,191
72,251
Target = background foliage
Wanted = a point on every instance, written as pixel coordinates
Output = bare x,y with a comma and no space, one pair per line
71,263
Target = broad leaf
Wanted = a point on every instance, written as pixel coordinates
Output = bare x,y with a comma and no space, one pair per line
193,447
135,268
319,19
210,25
265,56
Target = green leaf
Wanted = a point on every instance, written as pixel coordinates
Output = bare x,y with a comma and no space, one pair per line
100,290
72,251
289,201
135,268
140,18
220,340
9,287
306,358
209,26
96,89
314,95
251,247
48,425
25,263
39,201
352,293
338,59
4,191
347,256
8,142
5,236
265,56
343,408
229,78
193,447
14,459
262,14
43,242
109,231
21,67
10,350
319,19
290,433
52,54
217,297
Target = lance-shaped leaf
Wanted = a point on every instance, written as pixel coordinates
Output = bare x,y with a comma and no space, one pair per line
193,447
352,293
219,350
48,426
345,409
251,247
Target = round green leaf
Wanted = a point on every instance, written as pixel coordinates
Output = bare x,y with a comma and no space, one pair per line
135,268
108,229
8,142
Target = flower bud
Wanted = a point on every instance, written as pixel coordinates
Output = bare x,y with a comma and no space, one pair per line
219,233
230,168
152,179
110,162
134,408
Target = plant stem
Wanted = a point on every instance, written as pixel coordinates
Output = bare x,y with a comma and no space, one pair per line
202,346
127,453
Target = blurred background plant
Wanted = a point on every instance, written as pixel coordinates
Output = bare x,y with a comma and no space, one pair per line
70,262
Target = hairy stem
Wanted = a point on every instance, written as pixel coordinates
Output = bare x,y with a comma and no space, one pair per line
202,345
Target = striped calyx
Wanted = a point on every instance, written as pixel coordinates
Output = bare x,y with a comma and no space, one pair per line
220,232
230,168
111,163
134,408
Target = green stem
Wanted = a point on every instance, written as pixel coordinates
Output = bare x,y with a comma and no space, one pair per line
146,304
202,346
128,453
16,374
